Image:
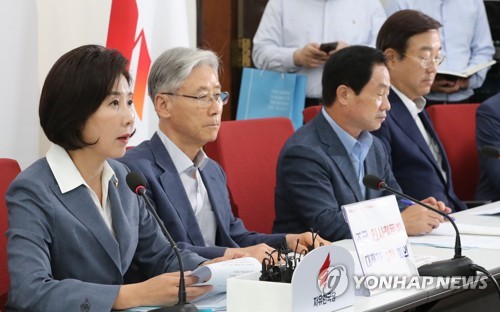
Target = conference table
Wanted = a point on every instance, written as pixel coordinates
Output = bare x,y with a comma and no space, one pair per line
432,299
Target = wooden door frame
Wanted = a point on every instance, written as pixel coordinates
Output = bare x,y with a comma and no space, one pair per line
216,29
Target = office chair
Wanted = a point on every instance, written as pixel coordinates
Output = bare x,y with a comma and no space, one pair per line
9,168
455,125
248,152
310,112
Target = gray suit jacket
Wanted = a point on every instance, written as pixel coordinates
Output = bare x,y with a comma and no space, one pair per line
315,177
165,187
62,256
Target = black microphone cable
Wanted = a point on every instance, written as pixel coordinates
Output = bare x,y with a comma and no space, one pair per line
488,274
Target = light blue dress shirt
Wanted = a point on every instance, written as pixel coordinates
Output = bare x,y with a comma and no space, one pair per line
357,149
465,37
288,25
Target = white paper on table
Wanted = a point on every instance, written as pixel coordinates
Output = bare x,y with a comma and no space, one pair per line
216,274
446,228
211,301
494,210
468,241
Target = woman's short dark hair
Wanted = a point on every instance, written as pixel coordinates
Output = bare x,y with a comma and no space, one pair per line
74,89
401,26
352,67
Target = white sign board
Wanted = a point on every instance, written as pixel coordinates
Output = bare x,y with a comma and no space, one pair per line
380,237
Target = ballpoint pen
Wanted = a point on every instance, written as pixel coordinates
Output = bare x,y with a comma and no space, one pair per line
406,202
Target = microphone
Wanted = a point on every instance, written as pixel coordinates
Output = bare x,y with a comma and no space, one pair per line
490,151
136,183
457,266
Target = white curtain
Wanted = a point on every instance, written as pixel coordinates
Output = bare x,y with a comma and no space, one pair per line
19,125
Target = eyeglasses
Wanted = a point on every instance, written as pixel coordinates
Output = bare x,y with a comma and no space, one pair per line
426,62
205,100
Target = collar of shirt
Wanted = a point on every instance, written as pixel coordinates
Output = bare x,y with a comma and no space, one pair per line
414,107
65,172
360,147
179,158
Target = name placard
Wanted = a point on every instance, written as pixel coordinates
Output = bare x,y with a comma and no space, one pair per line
380,237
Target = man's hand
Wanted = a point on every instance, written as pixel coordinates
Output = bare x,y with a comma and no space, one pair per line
444,85
436,204
259,252
262,251
420,220
304,241
310,56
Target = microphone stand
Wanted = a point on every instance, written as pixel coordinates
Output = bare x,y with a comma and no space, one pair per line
182,305
459,265
136,182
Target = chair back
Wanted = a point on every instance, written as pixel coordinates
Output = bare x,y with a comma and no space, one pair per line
248,152
455,125
9,168
310,112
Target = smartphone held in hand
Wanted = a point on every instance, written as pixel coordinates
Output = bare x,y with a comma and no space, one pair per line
329,46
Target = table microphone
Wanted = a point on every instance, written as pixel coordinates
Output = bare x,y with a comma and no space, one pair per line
457,266
136,183
490,151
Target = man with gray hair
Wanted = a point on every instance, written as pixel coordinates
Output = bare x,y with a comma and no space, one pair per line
189,189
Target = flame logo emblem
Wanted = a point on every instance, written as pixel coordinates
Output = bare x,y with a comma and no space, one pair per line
332,279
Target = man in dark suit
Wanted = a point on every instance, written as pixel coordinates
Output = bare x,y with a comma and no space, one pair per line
488,134
189,189
410,40
322,165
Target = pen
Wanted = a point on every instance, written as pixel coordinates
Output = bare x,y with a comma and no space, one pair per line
406,202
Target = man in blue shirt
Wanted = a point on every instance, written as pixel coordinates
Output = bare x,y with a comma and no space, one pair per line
322,165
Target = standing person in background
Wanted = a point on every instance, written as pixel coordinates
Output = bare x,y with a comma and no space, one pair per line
488,134
465,41
74,225
410,40
291,31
